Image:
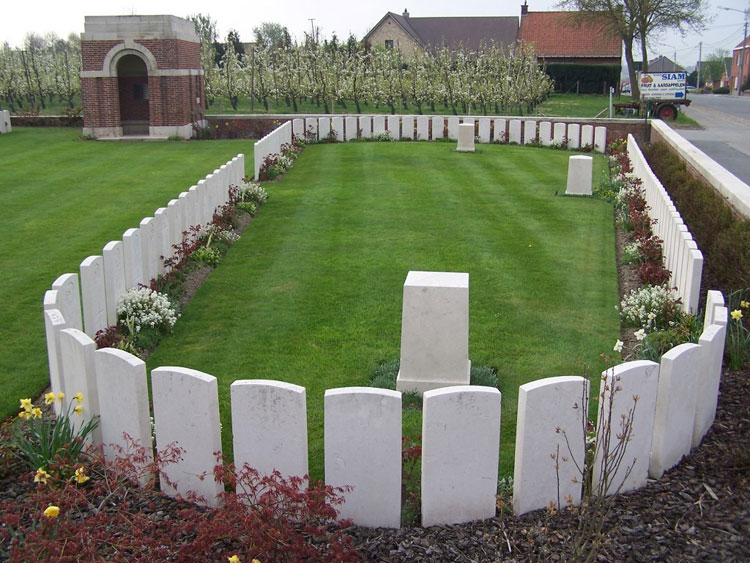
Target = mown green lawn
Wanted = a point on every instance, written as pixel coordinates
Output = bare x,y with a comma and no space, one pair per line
62,200
312,292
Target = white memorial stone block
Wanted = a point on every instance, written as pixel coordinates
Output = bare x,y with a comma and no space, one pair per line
50,300
453,128
54,322
529,131
434,331
161,232
465,138
407,127
5,123
712,352
580,175
174,219
423,128
132,258
626,425
600,139
186,413
378,125
499,134
205,205
350,128
311,128
514,135
337,126
298,127
78,375
93,295
551,414
69,300
559,134
362,434
196,217
185,212
484,129
365,126
545,133
574,136
460,445
679,378
469,121
394,126
438,127
123,404
269,427
149,249
587,136
714,299
114,277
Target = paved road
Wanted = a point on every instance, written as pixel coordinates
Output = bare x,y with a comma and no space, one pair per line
725,136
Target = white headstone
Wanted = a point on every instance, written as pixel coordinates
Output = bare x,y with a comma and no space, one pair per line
93,295
394,126
600,139
123,403
337,126
365,126
559,134
362,434
484,129
132,258
514,135
499,135
679,378
712,352
549,435
574,136
465,138
529,131
196,217
438,127
714,299
114,277
69,300
587,136
434,331
407,127
269,427
149,248
423,128
545,133
625,426
174,220
186,413
469,120
350,128
161,232
185,212
298,127
311,128
580,175
453,128
53,324
460,446
79,376
378,125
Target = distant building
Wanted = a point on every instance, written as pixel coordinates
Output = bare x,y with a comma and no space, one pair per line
664,64
734,76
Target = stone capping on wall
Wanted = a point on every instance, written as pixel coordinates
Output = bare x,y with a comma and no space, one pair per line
108,28
723,181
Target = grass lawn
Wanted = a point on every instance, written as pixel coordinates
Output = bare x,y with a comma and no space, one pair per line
63,200
312,292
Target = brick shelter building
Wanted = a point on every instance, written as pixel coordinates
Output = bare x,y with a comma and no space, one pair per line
141,76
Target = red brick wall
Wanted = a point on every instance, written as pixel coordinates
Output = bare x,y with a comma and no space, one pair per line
130,107
93,53
100,102
169,53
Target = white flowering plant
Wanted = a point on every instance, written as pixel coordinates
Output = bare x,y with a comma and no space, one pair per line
217,234
252,191
654,307
143,307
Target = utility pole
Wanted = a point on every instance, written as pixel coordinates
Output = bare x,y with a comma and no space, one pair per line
742,57
700,57
312,30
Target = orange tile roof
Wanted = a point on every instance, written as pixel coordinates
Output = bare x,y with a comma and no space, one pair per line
561,34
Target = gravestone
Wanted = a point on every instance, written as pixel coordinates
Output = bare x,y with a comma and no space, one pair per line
69,300
132,258
150,248
161,233
5,124
174,219
338,128
185,212
483,129
194,206
453,128
545,133
580,175
625,426
438,127
311,128
529,131
559,134
460,445
378,125
712,352
465,138
600,139
514,133
714,299
54,322
499,134
269,427
423,128
350,128
394,126
407,127
324,128
298,127
362,442
186,413
434,331
365,126
574,136
78,375
93,295
587,136
114,277
548,436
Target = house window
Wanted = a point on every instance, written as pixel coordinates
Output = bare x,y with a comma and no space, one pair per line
389,43
140,91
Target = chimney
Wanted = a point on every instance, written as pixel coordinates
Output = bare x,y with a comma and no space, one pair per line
406,13
524,9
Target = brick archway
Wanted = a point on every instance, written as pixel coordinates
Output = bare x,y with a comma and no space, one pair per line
133,94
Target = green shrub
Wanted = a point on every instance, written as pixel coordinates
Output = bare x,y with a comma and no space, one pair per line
658,343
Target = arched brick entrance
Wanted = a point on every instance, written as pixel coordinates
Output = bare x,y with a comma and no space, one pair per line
132,86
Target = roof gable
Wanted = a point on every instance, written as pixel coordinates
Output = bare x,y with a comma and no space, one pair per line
562,34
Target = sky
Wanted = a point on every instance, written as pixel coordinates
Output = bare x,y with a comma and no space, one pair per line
343,17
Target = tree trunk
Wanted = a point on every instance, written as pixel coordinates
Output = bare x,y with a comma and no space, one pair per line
634,86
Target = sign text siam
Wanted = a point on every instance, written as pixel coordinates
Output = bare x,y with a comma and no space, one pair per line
663,85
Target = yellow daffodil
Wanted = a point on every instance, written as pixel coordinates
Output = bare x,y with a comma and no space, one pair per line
736,315
41,476
78,409
234,559
24,415
36,412
78,397
60,396
49,398
256,561
744,304
26,403
52,511
80,477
